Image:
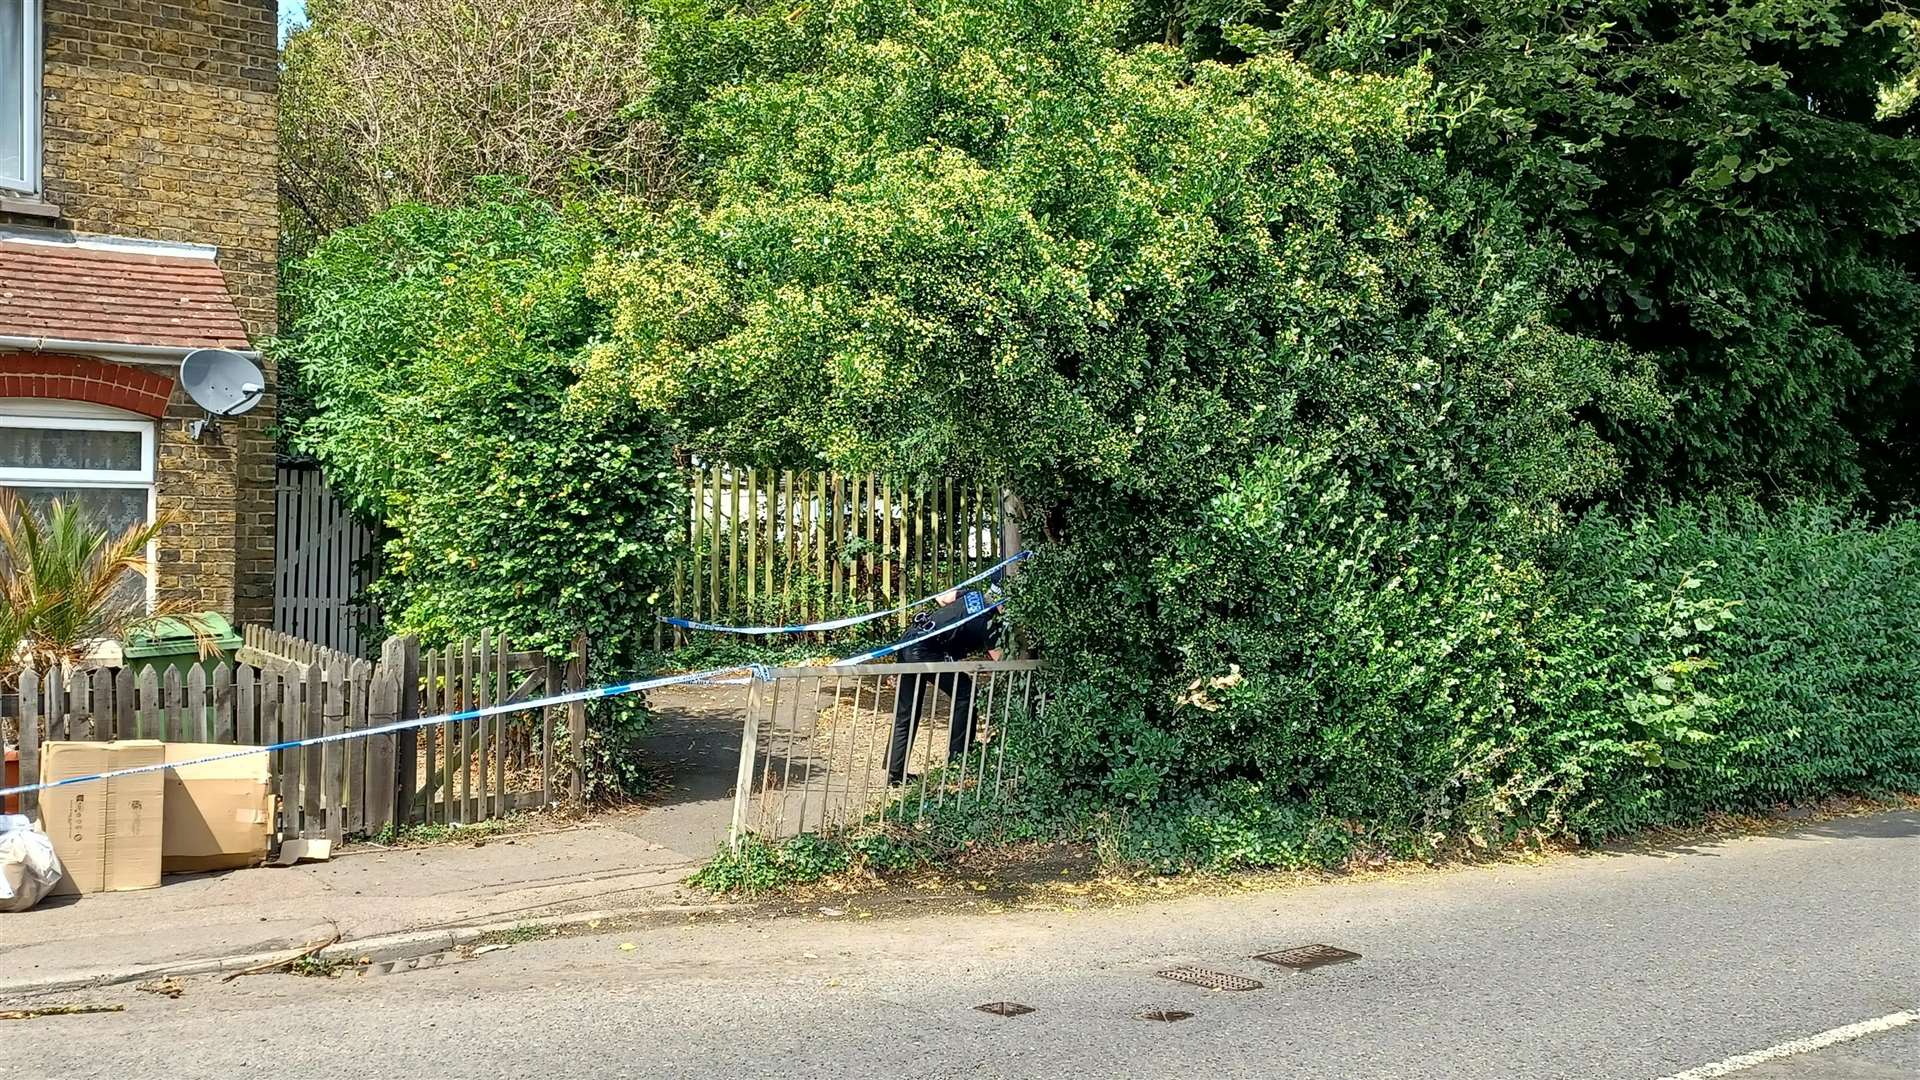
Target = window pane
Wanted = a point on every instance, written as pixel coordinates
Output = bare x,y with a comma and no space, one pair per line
113,510
13,90
69,448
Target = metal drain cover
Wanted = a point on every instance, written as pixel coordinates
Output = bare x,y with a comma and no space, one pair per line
1210,980
1165,1016
1005,1008
1308,957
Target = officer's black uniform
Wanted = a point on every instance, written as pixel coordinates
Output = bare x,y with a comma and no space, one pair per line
956,644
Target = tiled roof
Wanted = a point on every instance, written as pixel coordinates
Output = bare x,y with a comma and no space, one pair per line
82,292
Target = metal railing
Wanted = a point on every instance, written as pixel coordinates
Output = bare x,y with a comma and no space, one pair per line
818,751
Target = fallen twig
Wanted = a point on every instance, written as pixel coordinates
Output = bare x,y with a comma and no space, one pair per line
166,988
59,1010
276,965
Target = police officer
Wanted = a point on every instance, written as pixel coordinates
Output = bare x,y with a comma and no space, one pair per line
961,638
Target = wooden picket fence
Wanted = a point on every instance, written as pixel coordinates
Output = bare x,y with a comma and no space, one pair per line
789,546
283,689
472,770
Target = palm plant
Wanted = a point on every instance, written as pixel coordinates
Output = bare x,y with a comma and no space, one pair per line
64,584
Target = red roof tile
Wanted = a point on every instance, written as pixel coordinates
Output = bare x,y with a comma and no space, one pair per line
78,293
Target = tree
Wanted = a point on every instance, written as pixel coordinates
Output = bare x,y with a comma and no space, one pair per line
1747,172
383,103
1281,390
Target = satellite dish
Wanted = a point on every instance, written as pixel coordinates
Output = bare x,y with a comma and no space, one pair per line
222,382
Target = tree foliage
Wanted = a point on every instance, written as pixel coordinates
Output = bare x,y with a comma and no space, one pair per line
1747,172
438,346
1300,374
1283,389
383,103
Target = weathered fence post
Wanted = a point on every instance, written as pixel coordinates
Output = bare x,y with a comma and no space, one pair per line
1010,511
385,697
313,697
407,743
743,778
577,723
30,739
333,755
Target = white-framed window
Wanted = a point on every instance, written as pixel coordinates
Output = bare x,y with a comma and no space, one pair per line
93,456
20,96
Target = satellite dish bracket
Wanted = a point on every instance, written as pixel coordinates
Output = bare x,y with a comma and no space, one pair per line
223,383
210,423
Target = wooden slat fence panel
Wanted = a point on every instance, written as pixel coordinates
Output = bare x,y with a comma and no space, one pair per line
467,771
486,767
324,559
792,546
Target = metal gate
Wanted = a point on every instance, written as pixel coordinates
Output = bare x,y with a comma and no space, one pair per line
323,563
818,742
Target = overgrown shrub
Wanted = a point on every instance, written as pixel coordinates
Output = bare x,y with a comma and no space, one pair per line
1815,667
1287,396
1687,661
1281,390
1747,174
438,346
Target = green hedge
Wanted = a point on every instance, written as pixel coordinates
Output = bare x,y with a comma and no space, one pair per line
1657,669
1816,673
438,347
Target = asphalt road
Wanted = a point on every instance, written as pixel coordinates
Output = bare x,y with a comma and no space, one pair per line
1643,965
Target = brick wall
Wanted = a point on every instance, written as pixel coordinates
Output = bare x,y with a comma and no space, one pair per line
159,123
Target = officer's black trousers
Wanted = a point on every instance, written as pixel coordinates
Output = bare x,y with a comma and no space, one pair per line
916,692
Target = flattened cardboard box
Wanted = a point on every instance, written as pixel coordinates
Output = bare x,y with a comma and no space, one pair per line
219,816
107,833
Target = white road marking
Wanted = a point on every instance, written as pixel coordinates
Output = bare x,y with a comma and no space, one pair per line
1798,1046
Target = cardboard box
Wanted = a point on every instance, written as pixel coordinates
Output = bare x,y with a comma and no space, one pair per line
219,816
107,833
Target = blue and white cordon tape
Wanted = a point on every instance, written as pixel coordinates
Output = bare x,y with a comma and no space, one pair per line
590,694
850,620
710,677
889,650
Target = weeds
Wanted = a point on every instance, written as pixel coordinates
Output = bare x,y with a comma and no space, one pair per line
516,935
443,833
317,966
757,866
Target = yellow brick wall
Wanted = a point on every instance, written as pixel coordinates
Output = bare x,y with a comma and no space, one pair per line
159,123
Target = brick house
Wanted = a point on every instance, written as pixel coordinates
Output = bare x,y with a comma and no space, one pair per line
138,221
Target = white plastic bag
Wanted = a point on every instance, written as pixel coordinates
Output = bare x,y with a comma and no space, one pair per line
28,867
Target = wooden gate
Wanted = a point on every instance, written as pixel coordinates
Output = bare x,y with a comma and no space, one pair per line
788,546
323,562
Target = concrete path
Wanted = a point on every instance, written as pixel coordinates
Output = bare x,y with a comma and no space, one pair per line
363,893
1686,963
629,858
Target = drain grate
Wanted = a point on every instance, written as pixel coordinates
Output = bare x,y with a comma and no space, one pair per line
1164,1016
1308,957
1210,980
1005,1008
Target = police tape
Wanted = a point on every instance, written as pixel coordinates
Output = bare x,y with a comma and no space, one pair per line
850,620
888,650
709,677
